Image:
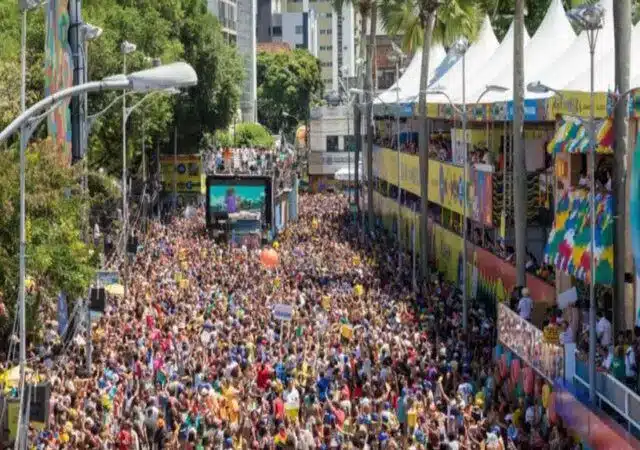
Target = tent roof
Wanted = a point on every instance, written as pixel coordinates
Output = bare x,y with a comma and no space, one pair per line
409,82
476,57
550,41
576,60
501,58
604,71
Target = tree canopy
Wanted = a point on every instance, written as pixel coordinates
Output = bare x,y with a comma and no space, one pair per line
57,258
287,82
245,135
164,29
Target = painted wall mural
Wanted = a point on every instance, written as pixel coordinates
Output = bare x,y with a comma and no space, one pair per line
58,71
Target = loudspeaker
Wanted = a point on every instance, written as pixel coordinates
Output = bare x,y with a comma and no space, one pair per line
97,300
132,245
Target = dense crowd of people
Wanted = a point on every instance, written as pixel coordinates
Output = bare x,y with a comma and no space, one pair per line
194,358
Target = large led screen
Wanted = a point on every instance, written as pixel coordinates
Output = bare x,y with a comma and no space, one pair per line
229,195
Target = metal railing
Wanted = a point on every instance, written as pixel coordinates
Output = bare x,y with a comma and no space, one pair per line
614,394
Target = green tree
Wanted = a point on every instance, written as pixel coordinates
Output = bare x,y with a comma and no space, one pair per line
212,104
287,81
58,259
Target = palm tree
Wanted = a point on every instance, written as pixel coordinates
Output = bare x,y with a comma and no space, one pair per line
421,22
364,8
622,32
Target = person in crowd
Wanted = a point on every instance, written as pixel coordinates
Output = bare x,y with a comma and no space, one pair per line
194,358
525,305
603,330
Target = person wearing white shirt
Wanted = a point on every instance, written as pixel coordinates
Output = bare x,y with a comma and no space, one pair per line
525,305
566,337
291,395
603,330
630,364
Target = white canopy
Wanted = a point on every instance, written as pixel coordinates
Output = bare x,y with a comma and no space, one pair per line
501,58
604,71
476,58
559,73
409,82
550,41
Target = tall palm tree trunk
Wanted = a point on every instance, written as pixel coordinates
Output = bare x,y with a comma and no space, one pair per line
424,147
357,111
622,24
519,161
371,60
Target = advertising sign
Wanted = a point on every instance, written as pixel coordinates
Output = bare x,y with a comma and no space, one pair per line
534,110
446,187
187,170
527,342
481,196
576,103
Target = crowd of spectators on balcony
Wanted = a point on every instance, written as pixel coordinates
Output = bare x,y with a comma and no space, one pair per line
279,162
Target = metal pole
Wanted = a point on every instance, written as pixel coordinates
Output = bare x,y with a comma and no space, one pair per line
144,177
465,296
592,198
89,346
158,177
348,149
21,439
125,212
175,168
398,164
413,251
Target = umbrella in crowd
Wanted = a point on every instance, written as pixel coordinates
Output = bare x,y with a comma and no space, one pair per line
199,356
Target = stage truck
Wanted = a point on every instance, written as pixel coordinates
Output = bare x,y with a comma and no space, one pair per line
240,209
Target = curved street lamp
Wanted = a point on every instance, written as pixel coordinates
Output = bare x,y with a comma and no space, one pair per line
170,76
462,111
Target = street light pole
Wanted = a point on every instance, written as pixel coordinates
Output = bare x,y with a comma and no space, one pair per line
463,113
465,294
399,199
591,19
126,48
23,420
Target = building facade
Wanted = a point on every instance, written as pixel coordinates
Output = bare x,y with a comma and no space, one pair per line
238,19
315,26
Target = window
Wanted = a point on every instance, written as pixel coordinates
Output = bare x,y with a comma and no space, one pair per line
327,64
326,48
276,31
326,31
332,144
301,46
350,143
298,29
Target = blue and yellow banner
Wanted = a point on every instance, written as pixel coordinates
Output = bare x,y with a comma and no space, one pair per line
189,176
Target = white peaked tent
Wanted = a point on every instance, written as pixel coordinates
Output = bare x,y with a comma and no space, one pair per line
409,82
575,60
552,38
476,58
604,71
502,57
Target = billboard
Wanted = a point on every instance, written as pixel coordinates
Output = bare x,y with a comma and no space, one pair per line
186,170
236,194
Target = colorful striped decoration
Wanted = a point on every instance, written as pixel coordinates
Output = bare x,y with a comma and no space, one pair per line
569,241
573,136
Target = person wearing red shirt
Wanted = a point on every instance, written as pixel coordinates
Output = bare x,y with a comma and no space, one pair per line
124,438
278,408
264,374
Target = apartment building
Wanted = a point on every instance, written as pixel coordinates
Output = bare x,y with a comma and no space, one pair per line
238,19
385,66
314,25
